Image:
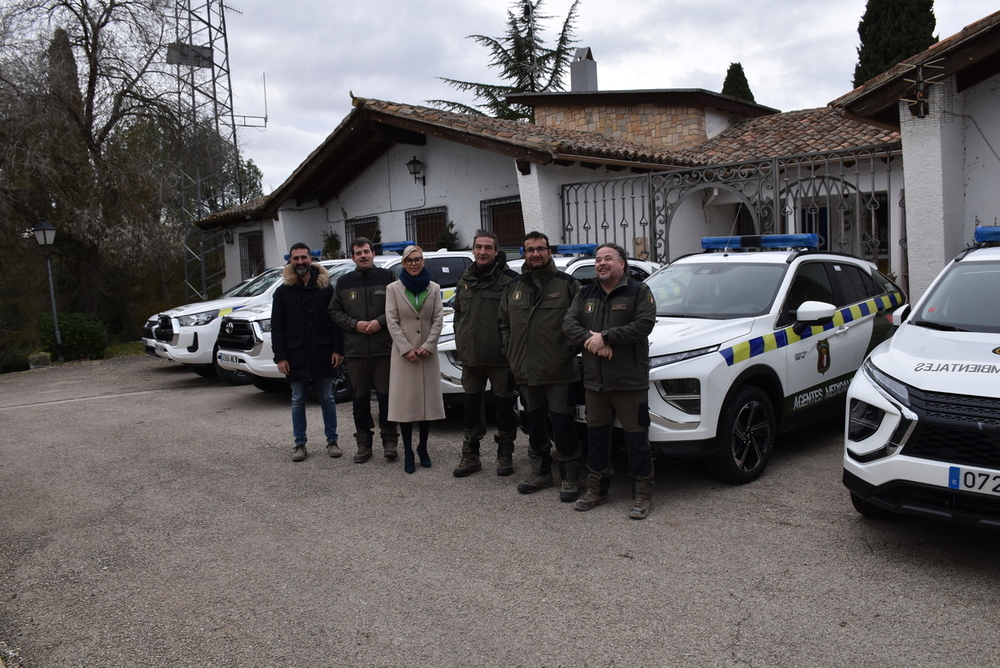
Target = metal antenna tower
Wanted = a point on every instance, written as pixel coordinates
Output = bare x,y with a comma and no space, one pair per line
210,168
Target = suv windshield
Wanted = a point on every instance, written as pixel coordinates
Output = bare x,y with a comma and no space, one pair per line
256,286
715,289
965,299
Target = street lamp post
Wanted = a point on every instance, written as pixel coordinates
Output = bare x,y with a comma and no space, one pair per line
45,235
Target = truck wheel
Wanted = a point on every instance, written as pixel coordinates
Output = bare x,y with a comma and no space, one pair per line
746,437
870,510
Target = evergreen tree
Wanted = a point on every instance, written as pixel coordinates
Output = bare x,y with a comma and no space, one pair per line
525,63
891,31
736,84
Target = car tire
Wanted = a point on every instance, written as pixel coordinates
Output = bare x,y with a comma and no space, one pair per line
231,377
747,429
870,510
269,384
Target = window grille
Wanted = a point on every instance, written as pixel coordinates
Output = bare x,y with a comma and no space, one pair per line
425,225
504,217
366,227
251,254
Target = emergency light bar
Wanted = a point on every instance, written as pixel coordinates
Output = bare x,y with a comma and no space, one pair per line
986,234
749,242
392,246
316,255
573,249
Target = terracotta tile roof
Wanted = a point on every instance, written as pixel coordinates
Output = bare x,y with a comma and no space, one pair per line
554,141
790,133
234,215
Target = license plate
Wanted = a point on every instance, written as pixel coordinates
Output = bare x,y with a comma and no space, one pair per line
231,359
972,480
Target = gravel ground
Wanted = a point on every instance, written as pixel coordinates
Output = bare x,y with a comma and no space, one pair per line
151,517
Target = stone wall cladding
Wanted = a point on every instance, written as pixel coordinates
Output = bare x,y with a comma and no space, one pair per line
675,127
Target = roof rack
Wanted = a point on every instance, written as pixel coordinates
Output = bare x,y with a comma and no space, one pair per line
759,242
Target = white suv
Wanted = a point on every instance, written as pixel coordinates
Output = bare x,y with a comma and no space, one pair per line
923,427
755,336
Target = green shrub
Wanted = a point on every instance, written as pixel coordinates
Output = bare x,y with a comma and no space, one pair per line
83,336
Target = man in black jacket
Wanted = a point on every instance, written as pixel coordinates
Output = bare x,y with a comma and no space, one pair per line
611,320
477,341
358,308
307,346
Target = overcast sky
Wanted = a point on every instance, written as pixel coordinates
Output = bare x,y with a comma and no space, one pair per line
797,54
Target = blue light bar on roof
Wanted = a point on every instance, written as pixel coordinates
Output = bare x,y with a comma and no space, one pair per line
987,233
316,255
392,246
573,249
765,241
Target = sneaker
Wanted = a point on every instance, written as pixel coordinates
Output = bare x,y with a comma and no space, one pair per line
569,491
535,483
589,501
505,465
299,453
640,509
333,449
468,465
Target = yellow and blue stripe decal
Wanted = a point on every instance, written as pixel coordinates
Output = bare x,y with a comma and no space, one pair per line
759,345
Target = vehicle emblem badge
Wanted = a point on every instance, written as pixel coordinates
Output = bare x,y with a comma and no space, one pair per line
823,358
996,351
229,327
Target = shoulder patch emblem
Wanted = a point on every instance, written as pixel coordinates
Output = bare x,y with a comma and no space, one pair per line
516,295
649,297
589,308
353,294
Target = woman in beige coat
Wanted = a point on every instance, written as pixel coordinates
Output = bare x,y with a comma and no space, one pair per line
413,316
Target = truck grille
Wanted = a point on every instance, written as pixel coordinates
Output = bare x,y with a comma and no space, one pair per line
955,428
236,335
164,329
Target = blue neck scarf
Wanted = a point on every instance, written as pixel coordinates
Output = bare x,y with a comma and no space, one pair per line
415,284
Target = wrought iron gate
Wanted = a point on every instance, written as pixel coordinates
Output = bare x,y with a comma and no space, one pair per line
843,196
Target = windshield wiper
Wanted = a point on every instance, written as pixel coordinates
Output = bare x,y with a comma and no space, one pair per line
938,325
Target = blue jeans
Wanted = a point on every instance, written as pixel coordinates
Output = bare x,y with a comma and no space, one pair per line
324,389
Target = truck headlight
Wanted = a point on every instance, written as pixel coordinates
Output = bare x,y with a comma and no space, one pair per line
663,360
889,385
198,319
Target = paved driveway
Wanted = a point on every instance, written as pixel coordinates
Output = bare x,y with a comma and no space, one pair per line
149,517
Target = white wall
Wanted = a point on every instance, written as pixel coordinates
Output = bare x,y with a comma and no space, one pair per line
982,162
934,159
457,176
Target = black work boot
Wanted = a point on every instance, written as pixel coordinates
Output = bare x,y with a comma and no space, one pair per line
364,439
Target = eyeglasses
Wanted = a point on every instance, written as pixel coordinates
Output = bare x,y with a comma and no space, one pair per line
413,260
540,249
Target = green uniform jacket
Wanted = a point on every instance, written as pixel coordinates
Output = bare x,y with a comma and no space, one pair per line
624,317
477,313
531,316
361,296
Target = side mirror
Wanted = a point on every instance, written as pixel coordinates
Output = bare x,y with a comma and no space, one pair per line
812,314
898,317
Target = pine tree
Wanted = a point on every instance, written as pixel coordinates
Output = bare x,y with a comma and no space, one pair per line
525,63
736,84
891,31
